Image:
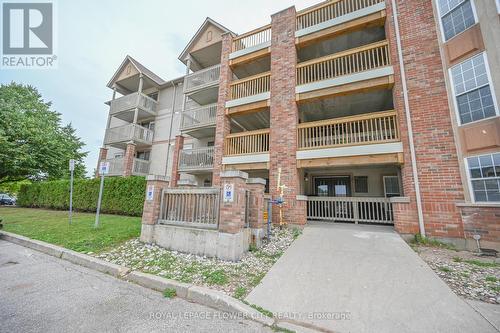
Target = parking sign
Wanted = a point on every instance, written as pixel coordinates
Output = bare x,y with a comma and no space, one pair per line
104,168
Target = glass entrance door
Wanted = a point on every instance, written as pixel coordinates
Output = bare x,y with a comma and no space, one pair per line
336,186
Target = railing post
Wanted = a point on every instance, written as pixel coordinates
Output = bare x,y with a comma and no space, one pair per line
152,205
256,186
232,210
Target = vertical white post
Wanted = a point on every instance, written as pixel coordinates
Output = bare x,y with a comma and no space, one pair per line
96,225
71,198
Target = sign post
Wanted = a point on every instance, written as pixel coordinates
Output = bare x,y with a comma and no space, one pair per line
103,170
71,169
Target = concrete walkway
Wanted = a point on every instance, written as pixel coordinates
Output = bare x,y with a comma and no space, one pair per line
358,278
40,293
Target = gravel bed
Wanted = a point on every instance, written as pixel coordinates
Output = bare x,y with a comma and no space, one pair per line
467,274
234,278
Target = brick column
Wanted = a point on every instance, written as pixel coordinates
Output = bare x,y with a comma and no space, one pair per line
128,160
405,215
284,115
151,210
437,160
232,214
222,127
256,186
103,154
179,144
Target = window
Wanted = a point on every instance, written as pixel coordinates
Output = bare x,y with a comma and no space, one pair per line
456,16
472,90
361,184
118,155
391,186
484,173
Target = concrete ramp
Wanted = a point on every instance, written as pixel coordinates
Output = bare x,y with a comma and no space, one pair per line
358,278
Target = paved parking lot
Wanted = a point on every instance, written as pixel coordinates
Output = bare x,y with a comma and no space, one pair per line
40,293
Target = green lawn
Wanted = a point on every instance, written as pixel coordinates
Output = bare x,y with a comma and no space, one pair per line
52,227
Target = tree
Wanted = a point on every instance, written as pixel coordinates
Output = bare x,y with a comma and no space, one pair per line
33,143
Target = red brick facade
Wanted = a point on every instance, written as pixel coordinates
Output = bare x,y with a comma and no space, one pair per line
222,121
232,214
128,159
284,116
483,221
151,210
437,163
179,144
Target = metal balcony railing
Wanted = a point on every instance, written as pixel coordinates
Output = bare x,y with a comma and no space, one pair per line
132,101
202,79
129,132
199,117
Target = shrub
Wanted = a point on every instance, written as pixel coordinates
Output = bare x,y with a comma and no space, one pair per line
121,195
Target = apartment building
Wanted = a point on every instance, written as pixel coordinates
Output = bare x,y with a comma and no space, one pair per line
363,111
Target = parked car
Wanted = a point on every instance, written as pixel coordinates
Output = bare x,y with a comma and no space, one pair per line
5,199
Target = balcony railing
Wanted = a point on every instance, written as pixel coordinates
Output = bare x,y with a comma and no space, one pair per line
352,61
378,127
252,38
350,209
140,167
249,142
199,117
202,79
331,10
115,166
253,85
132,101
130,132
196,159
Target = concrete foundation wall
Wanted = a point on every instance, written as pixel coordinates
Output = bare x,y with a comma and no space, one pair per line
203,242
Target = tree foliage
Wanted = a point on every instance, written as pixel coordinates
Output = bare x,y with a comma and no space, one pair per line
33,143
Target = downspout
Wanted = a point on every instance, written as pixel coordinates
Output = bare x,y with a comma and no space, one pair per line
408,122
171,125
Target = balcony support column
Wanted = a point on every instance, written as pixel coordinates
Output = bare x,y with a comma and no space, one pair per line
284,119
222,124
128,160
179,144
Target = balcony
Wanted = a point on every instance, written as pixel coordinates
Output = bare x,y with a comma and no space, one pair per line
199,122
124,107
196,160
247,148
202,79
119,136
323,76
251,45
373,138
251,90
117,167
140,167
329,17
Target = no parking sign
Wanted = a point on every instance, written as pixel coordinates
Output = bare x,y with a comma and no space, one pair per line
228,193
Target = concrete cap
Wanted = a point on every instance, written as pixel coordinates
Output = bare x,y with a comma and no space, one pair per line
400,199
186,182
157,177
301,197
256,181
234,174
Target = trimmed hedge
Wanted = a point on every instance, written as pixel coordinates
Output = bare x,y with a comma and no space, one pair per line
121,195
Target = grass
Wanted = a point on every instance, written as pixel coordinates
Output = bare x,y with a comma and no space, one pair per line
218,277
169,293
424,241
240,292
491,279
444,269
52,227
265,312
482,263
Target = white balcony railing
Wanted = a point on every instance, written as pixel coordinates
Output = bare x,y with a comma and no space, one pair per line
132,101
116,166
199,117
140,167
129,132
196,159
202,79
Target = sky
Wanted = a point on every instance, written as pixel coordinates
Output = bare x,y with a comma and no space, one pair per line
94,36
